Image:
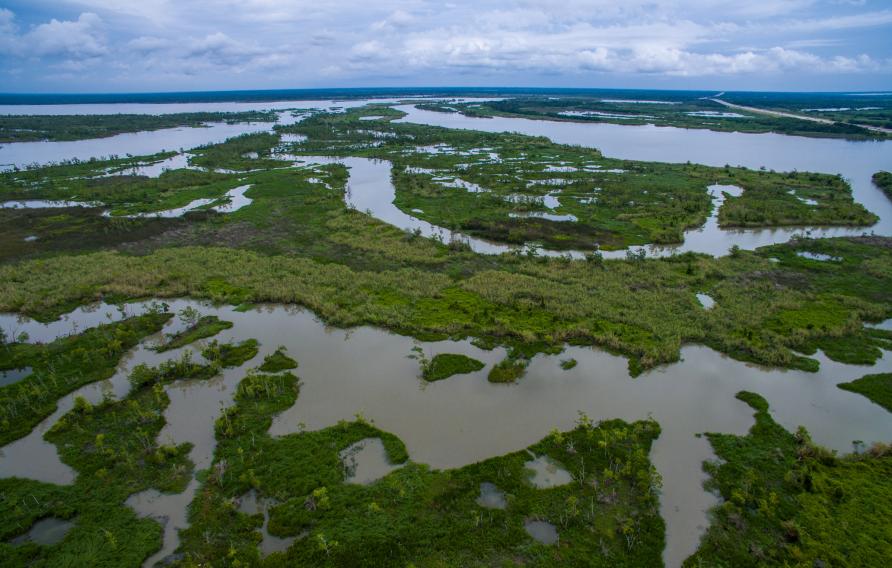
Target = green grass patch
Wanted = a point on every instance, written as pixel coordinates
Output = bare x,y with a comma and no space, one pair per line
277,362
507,370
567,364
230,354
789,502
878,388
207,326
63,366
444,365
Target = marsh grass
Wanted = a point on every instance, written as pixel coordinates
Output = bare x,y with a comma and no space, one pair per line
507,370
606,517
112,446
444,365
62,366
277,362
206,326
787,501
229,355
878,388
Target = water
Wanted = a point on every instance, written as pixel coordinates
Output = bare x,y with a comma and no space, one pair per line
820,257
366,461
46,532
45,204
491,497
146,143
543,532
546,473
855,161
706,301
10,376
455,423
234,199
251,504
22,154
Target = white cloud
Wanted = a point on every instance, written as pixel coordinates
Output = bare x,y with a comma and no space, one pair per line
79,38
307,40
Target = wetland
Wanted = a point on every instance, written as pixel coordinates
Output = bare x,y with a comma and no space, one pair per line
384,332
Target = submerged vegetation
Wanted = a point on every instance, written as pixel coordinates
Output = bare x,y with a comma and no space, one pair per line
789,502
277,362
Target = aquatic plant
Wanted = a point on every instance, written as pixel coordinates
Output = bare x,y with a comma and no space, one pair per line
787,501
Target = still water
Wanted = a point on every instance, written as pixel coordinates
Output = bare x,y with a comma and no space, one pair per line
855,161
462,420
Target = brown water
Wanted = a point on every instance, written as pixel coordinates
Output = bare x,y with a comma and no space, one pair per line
453,423
366,461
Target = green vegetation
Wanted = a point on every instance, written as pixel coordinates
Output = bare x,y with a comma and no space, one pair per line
230,354
645,309
607,516
508,187
277,361
206,326
445,365
502,187
113,449
31,128
238,153
567,364
788,502
507,370
681,110
883,180
63,366
878,388
863,347
794,199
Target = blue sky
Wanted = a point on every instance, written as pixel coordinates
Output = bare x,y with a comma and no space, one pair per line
162,45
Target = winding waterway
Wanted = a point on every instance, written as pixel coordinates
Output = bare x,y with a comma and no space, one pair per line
465,419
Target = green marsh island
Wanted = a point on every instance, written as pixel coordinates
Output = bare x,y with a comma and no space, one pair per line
491,329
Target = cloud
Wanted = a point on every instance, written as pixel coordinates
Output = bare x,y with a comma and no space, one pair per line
295,42
398,19
79,38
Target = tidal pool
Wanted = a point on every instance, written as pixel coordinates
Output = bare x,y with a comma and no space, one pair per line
454,423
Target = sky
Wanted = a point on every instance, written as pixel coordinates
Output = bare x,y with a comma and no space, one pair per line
189,45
